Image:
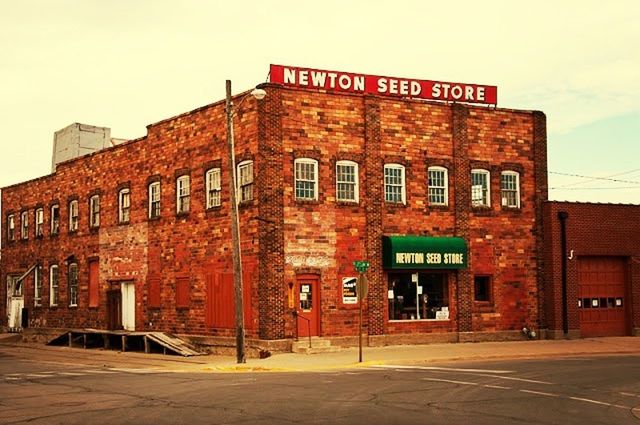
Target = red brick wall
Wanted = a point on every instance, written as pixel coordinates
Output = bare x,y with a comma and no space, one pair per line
592,230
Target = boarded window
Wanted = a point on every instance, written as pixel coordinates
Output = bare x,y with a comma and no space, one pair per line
220,305
182,292
94,297
154,292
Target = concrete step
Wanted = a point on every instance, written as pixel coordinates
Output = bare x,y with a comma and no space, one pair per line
318,345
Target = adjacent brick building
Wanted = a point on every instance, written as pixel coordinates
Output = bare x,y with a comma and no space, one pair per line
446,194
592,253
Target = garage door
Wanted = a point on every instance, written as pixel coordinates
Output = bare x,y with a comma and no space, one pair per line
601,296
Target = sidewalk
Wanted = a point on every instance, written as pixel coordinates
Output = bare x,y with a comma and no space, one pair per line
342,360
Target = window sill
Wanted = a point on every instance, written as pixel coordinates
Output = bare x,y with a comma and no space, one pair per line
482,211
394,205
417,320
347,203
154,218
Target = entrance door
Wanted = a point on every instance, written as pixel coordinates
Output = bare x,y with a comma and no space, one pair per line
601,296
308,306
128,306
114,309
15,303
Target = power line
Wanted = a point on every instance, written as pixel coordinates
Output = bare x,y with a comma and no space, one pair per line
595,178
609,176
595,188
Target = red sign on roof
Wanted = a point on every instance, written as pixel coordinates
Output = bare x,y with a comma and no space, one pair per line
383,86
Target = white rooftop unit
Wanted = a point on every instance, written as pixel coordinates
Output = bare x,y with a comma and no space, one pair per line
78,140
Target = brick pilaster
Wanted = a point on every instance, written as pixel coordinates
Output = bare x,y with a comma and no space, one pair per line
541,184
373,208
270,181
462,176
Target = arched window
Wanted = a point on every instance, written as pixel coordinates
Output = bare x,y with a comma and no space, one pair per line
510,189
394,184
306,179
480,188
347,189
245,181
438,186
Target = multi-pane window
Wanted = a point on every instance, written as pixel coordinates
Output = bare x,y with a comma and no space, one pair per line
53,285
39,222
55,219
394,189
94,211
480,195
124,205
347,181
510,189
213,189
154,200
11,227
438,186
245,181
72,280
306,179
24,225
183,194
73,215
37,286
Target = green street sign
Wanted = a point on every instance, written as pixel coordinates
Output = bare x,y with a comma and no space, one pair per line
361,266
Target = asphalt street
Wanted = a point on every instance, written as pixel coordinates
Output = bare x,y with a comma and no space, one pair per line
581,390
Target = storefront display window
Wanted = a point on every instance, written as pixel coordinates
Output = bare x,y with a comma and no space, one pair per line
418,296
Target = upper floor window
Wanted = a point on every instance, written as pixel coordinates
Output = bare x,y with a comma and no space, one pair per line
394,186
438,186
510,189
73,215
347,181
245,181
154,200
11,227
306,179
94,211
24,225
55,219
124,205
72,278
183,194
53,285
37,286
39,222
480,191
213,189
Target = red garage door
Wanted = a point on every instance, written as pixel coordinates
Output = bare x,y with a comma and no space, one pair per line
601,296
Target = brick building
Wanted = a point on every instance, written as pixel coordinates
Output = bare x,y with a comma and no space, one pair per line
594,288
443,199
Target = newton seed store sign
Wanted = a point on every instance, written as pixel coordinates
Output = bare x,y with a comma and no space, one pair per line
339,81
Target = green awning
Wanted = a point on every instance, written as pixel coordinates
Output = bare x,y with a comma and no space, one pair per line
423,252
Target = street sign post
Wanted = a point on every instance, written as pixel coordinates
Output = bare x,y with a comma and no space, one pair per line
362,287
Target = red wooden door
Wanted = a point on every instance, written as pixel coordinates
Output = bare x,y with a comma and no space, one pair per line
602,300
308,306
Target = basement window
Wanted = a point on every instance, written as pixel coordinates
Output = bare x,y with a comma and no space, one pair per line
418,296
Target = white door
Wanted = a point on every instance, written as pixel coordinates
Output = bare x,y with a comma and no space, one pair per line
15,302
128,306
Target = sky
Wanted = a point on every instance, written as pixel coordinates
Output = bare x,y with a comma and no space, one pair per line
125,64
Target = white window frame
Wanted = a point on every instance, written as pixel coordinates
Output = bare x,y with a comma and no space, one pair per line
183,194
433,190
504,200
11,227
213,187
72,284
402,186
73,216
124,205
345,183
39,220
54,284
308,184
481,202
37,286
154,199
24,225
94,211
244,176
55,221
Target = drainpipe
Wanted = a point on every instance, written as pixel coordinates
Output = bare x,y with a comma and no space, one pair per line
563,216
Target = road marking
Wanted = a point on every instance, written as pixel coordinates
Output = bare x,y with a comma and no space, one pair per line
511,378
540,393
445,369
450,381
499,387
630,394
12,378
132,370
99,371
71,374
598,402
36,375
